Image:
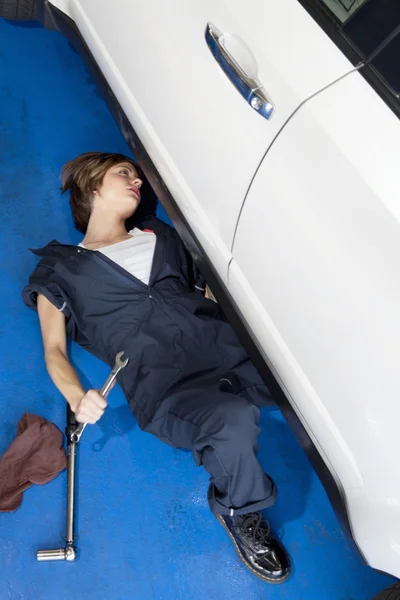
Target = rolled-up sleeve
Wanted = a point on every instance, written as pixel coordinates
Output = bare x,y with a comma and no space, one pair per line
199,281
189,268
42,281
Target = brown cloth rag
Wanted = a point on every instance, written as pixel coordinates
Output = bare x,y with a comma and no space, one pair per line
35,456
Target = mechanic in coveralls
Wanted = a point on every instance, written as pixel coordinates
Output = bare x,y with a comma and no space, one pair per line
188,380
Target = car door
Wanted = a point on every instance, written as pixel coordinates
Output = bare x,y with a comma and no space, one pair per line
205,139
316,274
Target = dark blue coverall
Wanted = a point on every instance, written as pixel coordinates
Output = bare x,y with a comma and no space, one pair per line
188,381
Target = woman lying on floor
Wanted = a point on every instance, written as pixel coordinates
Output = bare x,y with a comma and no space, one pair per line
188,380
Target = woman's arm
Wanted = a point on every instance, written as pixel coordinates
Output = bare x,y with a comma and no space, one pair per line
88,407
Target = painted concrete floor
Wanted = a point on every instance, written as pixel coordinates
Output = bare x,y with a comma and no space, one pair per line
145,530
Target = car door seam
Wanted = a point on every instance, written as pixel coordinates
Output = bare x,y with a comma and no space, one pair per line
356,68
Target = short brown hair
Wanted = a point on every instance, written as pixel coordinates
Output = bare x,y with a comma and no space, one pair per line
84,174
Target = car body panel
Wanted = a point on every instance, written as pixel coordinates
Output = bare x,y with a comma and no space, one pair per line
323,219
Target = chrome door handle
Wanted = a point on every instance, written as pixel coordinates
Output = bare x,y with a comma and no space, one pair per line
248,87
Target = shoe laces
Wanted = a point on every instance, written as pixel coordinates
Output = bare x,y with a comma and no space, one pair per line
258,530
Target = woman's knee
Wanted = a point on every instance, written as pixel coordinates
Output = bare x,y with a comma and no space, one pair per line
234,430
240,418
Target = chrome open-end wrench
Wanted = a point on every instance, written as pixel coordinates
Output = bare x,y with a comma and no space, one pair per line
68,553
119,364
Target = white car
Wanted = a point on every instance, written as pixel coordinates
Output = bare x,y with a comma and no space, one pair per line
270,132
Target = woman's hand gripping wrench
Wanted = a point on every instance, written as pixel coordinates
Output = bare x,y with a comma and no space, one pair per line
119,364
69,552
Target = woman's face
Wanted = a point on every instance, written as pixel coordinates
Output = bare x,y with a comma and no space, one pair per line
120,190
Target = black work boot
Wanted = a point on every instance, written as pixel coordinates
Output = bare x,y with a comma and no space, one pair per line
256,546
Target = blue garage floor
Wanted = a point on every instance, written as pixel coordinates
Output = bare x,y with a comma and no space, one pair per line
144,524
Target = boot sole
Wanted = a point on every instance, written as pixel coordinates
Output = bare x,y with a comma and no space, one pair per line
246,563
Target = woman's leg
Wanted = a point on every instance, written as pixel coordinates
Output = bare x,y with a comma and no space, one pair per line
221,429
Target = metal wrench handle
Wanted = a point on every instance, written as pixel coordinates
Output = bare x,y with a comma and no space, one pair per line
109,381
119,364
69,552
76,435
71,493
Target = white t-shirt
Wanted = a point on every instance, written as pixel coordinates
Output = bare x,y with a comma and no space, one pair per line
135,255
